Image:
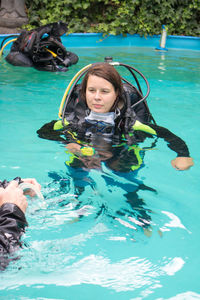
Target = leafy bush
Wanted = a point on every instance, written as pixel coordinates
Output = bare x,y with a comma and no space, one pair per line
144,17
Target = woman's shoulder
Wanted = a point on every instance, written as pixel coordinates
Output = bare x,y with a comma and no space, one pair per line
50,131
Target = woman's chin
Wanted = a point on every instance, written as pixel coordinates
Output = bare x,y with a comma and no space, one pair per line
98,110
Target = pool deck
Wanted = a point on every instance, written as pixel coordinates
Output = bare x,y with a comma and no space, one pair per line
98,40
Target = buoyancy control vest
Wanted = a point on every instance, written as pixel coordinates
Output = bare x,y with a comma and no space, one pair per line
73,109
42,48
74,112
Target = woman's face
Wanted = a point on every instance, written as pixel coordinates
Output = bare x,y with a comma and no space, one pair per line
100,94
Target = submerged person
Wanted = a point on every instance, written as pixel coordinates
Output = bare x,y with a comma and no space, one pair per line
13,205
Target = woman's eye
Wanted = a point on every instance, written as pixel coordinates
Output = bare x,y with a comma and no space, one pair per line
105,91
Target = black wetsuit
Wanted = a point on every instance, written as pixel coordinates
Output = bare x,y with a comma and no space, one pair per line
138,135
12,226
132,127
123,156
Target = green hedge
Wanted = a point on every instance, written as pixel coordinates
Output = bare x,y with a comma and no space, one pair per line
144,17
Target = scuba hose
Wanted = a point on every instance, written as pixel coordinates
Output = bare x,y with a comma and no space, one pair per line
64,62
131,69
71,85
7,37
143,99
68,92
128,116
139,88
3,47
54,54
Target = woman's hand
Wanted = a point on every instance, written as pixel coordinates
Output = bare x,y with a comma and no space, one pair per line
74,148
182,163
80,150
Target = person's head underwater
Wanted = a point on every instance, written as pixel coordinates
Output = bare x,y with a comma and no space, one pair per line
102,88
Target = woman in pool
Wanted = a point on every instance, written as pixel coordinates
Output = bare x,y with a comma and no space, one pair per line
99,117
97,136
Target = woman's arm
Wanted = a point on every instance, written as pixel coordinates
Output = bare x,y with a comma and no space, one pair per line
183,161
48,132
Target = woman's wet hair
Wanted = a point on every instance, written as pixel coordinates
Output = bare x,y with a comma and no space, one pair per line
107,72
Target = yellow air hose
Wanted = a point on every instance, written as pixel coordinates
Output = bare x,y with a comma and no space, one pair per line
68,88
6,45
54,54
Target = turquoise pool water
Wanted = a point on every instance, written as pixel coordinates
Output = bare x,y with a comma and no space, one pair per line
97,255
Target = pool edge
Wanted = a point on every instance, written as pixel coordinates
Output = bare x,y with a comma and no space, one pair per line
99,40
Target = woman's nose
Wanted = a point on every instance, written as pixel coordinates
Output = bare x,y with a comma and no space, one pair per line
97,95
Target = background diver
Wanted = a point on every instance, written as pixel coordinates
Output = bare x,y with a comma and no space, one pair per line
100,115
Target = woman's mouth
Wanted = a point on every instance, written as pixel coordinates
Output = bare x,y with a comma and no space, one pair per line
97,106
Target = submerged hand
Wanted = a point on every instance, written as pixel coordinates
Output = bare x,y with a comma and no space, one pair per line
182,163
73,147
80,150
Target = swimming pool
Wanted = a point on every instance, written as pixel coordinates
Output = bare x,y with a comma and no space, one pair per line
99,256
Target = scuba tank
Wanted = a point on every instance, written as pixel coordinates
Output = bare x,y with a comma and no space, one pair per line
71,106
42,48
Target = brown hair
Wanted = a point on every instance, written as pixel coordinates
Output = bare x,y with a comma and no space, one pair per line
107,72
